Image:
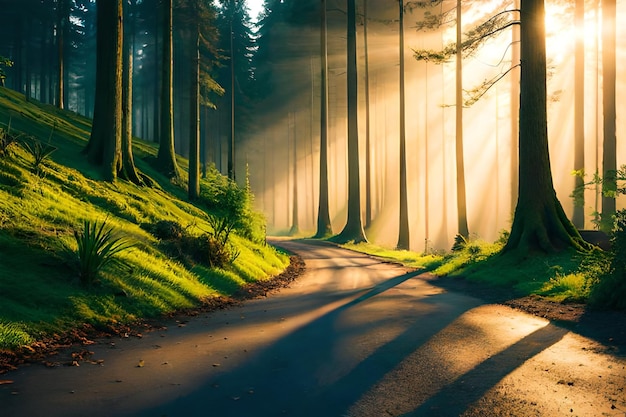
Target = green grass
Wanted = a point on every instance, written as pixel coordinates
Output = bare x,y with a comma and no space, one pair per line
565,277
40,291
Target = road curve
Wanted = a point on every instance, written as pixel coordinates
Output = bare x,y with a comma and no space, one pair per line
353,336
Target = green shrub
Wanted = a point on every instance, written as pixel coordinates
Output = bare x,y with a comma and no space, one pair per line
230,208
97,247
610,291
211,249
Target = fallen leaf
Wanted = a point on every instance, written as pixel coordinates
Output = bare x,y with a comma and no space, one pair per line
5,381
140,364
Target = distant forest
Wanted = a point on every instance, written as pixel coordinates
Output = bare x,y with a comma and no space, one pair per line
438,122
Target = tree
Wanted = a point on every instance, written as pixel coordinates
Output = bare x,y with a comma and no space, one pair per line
128,170
166,156
539,223
461,203
368,150
194,108
403,232
104,146
609,160
324,227
353,230
578,217
62,23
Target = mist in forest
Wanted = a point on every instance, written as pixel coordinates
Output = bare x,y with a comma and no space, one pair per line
287,132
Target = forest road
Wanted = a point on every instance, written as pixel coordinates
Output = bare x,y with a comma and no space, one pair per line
353,336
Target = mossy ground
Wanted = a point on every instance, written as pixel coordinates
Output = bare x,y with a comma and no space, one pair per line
40,293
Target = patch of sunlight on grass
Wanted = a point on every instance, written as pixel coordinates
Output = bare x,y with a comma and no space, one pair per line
473,253
13,335
407,258
566,288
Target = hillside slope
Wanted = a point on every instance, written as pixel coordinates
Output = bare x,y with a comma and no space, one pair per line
41,206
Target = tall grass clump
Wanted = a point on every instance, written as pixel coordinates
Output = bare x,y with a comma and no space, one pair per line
39,151
97,247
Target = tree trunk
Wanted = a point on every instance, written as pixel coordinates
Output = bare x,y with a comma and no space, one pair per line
295,226
461,203
609,161
104,146
194,114
539,223
231,143
61,23
403,232
128,170
515,93
166,157
324,228
368,150
579,111
353,230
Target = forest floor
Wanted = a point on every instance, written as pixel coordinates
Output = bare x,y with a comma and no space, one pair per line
607,327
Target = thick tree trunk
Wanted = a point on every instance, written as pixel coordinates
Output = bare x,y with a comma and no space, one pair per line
539,224
609,160
166,157
324,228
403,232
353,230
128,170
104,146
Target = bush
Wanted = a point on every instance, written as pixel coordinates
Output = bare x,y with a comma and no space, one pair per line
230,208
96,248
208,249
610,291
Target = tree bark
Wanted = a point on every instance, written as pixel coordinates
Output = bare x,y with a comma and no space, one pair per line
368,150
539,223
461,203
166,157
403,231
128,170
579,110
353,230
104,146
194,114
324,227
609,160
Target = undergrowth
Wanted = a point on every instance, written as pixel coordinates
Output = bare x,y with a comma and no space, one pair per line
40,287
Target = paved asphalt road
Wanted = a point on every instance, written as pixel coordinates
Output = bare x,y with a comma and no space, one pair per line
353,336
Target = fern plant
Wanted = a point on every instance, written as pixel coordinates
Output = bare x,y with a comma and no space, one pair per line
97,247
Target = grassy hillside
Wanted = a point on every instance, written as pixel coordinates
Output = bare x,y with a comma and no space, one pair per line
42,206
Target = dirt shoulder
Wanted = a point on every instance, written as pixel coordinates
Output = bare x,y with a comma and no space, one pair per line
606,327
